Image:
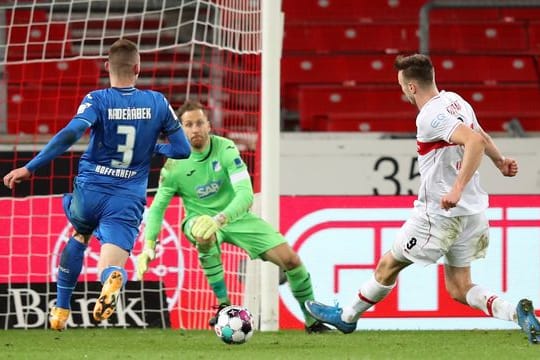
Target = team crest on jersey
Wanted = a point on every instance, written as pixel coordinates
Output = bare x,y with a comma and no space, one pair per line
216,166
238,162
83,107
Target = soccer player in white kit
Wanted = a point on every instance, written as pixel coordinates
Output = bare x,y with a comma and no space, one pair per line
449,218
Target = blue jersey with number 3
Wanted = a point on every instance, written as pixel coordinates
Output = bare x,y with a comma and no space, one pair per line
125,126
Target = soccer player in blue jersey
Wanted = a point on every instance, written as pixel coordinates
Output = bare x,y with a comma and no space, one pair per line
109,192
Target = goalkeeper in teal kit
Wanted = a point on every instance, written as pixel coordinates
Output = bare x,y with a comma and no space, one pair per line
216,193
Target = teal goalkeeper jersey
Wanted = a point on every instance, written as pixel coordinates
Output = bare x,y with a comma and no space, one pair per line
209,182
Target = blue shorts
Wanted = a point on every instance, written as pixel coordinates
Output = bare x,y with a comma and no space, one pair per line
112,219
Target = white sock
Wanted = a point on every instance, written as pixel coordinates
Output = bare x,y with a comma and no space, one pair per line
369,294
483,299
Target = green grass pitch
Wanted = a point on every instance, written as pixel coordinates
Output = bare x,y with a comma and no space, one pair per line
176,344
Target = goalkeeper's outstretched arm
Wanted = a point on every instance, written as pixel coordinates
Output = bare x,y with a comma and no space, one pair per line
154,219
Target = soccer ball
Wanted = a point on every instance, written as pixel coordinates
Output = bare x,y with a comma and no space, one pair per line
234,325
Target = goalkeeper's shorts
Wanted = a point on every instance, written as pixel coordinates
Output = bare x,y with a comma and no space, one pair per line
249,232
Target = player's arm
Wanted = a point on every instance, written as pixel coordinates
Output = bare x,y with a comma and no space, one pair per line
166,191
243,195
55,147
507,166
474,144
154,219
205,226
177,148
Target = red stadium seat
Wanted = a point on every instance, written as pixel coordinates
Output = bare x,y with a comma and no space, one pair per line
337,69
445,15
351,37
526,13
352,70
496,105
377,69
334,108
485,69
80,71
347,10
534,37
42,109
479,38
31,36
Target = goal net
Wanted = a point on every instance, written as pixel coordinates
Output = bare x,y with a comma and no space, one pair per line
52,54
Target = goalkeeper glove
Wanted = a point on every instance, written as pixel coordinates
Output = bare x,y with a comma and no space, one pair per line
148,254
205,226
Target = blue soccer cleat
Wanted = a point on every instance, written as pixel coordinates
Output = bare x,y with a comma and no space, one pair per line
527,320
329,315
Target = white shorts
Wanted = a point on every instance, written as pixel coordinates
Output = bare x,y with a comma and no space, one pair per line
425,238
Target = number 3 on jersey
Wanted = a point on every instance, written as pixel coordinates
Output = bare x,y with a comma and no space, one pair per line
126,149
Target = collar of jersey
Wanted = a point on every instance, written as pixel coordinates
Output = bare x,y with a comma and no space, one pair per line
203,155
125,89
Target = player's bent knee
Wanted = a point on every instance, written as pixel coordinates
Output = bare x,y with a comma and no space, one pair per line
82,238
291,261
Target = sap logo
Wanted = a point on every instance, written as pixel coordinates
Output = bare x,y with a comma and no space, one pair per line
207,190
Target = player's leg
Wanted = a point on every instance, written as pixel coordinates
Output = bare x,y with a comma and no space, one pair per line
113,277
261,240
297,275
461,288
117,232
80,209
409,246
472,244
209,254
371,292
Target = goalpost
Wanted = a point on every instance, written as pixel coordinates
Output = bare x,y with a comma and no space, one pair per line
223,52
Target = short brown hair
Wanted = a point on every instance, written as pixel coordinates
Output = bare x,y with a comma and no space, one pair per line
123,55
189,105
416,67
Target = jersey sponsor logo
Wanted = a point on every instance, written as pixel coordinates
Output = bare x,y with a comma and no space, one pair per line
129,113
207,190
438,120
83,107
121,173
216,166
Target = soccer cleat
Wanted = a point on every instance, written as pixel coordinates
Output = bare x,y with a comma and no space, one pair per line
106,303
213,320
317,328
329,315
527,320
58,318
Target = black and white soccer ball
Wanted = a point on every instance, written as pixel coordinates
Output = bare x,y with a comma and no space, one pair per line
234,325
